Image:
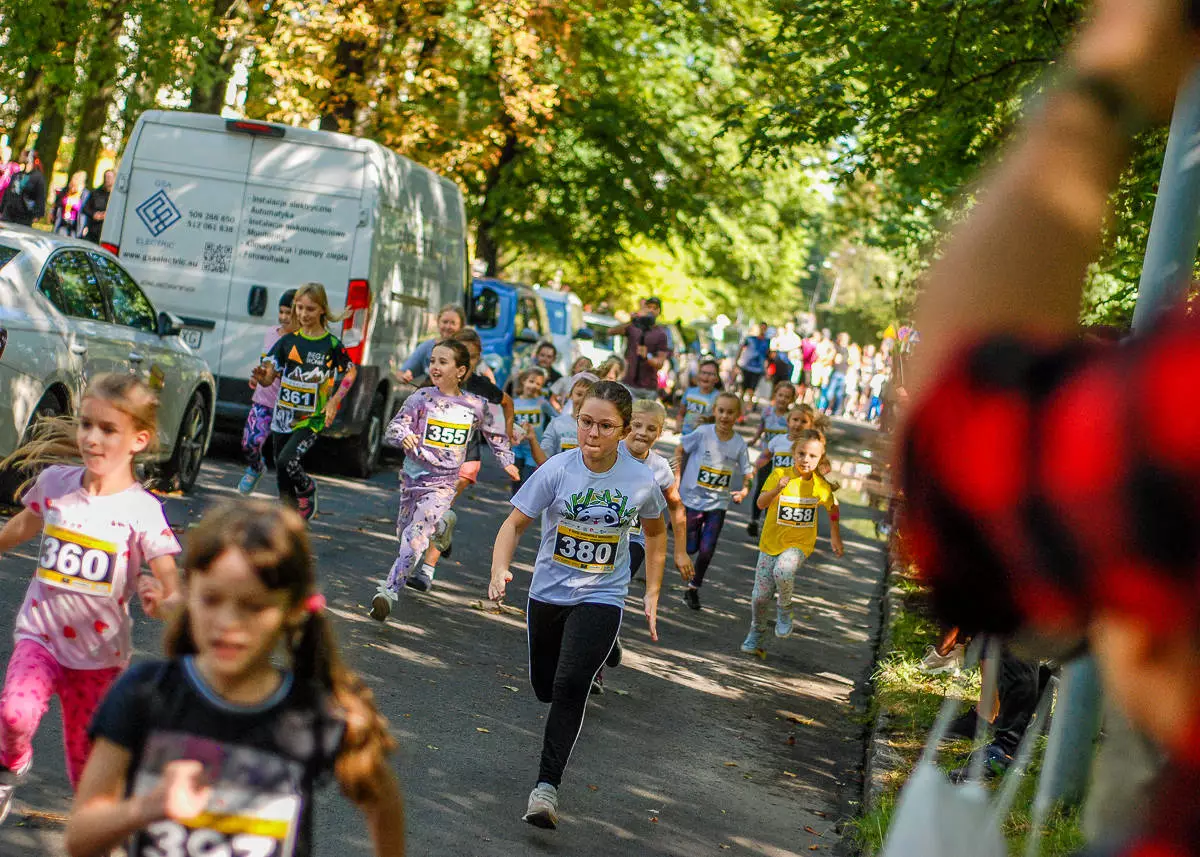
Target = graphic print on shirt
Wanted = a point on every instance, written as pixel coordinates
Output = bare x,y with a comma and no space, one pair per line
591,528
76,562
307,370
254,809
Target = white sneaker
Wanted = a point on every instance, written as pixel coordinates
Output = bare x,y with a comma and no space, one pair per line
935,664
381,604
9,780
543,807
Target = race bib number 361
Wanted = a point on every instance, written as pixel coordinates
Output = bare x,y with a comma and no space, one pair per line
300,396
76,562
445,435
589,549
714,479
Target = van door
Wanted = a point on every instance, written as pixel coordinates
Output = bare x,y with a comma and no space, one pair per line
183,213
302,208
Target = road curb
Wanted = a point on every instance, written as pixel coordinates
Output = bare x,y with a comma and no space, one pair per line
881,759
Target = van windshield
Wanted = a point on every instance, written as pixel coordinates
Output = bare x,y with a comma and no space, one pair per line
7,254
558,317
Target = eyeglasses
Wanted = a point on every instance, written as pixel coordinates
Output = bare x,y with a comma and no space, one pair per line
604,429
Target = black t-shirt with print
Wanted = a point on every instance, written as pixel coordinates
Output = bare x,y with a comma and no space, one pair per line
308,368
262,761
478,385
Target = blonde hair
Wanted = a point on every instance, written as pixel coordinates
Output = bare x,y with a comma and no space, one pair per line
54,440
315,292
77,183
650,406
613,362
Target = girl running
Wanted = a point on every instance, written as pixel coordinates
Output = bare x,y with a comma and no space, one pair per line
560,390
562,435
588,499
716,459
308,362
697,402
645,428
73,632
434,428
774,424
777,452
531,413
262,406
450,320
790,498
216,750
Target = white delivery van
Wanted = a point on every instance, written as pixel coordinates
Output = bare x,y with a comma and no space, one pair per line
216,218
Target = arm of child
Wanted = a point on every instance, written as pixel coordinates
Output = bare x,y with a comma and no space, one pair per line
20,528
655,530
400,430
385,816
835,528
772,488
159,591
678,513
679,415
502,554
497,437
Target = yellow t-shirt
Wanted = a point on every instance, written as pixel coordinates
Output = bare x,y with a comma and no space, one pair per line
791,519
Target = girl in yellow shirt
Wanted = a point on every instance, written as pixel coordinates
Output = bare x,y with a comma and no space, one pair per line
790,498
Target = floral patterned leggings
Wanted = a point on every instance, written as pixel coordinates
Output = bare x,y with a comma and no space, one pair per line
774,574
254,435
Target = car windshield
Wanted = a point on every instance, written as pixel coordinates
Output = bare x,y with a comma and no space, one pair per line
7,254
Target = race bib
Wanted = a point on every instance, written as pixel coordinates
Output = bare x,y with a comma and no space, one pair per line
781,459
797,512
300,396
219,836
569,445
588,548
76,562
714,479
524,418
773,433
696,406
445,434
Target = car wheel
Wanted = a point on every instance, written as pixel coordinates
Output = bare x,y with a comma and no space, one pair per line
183,467
11,479
365,450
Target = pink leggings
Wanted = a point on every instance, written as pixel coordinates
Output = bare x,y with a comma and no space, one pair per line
33,677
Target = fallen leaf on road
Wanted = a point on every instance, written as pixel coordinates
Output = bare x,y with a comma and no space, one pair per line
731,764
803,721
618,691
808,829
594,788
813,847
493,607
818,812
745,776
789,774
513,689
723,847
481,729
654,820
431,747
791,739
320,536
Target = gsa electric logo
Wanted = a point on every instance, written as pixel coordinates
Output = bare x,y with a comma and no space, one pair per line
158,213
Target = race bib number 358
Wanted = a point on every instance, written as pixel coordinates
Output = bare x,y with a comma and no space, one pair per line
796,513
714,479
76,562
589,549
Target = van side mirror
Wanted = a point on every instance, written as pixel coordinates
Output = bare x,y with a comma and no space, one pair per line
528,336
485,309
169,324
584,333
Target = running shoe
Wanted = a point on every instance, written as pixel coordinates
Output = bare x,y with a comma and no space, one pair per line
753,641
995,764
598,683
381,604
420,580
307,506
9,780
614,654
783,623
966,726
249,481
691,597
935,664
752,529
444,534
543,807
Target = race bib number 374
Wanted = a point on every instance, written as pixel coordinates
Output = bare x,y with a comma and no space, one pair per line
76,562
714,479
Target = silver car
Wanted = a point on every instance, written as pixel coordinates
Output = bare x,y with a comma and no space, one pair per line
69,311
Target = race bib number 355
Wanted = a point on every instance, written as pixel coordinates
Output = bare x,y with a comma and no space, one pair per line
76,562
445,435
714,479
797,513
590,549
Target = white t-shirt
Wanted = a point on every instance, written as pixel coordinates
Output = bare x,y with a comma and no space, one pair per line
780,448
697,405
562,435
664,477
586,518
715,469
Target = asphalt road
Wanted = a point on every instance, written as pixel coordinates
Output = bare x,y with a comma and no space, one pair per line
695,749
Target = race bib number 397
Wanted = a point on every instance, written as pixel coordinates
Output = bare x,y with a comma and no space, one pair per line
713,478
76,562
589,549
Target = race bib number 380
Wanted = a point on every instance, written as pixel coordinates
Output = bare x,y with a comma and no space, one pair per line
76,562
714,479
586,548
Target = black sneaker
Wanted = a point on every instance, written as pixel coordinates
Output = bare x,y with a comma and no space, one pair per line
752,529
614,654
965,726
995,764
419,580
691,597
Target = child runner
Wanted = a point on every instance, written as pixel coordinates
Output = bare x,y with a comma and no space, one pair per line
262,406
645,428
216,750
560,390
562,435
434,427
774,424
790,497
531,413
777,452
450,320
308,362
716,459
697,402
588,499
73,633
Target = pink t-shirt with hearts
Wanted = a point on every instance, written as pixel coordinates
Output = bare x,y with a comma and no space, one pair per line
91,551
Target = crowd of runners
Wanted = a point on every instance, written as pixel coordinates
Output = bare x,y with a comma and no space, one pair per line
214,749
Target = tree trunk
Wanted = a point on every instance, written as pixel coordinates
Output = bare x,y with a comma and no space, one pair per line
27,111
99,88
487,249
214,63
54,121
340,108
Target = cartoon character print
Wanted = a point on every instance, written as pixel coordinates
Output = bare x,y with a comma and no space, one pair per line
591,528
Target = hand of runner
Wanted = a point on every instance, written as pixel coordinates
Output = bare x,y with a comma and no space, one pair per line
406,376
500,580
783,482
683,562
739,496
181,793
410,442
650,606
264,374
150,594
513,473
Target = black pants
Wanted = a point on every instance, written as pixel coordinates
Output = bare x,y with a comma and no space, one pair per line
567,647
637,556
289,464
760,479
1018,686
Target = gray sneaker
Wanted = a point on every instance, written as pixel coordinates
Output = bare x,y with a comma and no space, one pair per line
9,780
381,604
444,534
543,807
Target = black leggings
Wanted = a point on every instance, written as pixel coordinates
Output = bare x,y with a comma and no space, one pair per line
289,465
567,647
760,479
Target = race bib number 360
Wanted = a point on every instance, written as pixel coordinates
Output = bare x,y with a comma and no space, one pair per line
445,434
589,549
714,479
797,513
76,562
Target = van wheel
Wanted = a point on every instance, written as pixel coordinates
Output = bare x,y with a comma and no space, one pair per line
183,467
365,449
